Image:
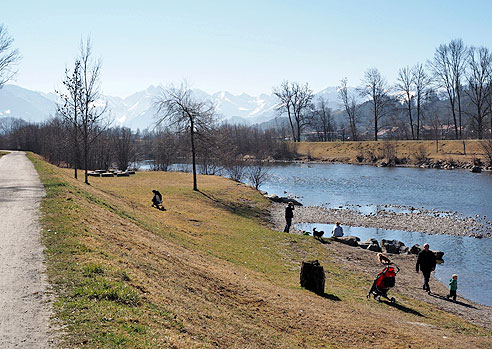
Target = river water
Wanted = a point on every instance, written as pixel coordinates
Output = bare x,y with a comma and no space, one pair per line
368,188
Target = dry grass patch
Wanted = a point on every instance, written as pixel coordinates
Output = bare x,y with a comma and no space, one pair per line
207,272
349,151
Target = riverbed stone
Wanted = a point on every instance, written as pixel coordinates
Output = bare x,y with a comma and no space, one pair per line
438,254
371,245
393,246
282,199
348,240
415,249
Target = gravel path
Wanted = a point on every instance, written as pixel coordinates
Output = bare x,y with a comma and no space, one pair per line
24,304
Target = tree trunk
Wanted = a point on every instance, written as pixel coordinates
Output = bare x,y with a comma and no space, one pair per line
375,123
291,126
193,155
86,157
411,119
313,277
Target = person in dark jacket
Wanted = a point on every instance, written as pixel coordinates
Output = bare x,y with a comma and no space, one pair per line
157,200
289,214
426,261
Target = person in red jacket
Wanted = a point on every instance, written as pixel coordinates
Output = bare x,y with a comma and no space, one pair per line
426,261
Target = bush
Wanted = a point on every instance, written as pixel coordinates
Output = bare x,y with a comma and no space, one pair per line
421,155
486,146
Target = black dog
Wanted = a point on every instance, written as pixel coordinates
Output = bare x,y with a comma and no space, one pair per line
317,234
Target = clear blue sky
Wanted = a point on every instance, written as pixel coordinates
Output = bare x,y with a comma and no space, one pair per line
238,46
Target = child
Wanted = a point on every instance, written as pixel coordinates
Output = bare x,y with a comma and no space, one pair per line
453,286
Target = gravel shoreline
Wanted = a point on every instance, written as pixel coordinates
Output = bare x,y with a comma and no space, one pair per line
430,222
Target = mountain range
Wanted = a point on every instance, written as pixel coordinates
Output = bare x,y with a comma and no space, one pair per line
137,111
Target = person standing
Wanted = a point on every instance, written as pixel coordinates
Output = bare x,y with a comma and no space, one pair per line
453,286
289,214
426,261
337,231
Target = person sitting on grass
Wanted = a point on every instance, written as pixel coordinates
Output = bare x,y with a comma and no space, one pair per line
157,200
337,231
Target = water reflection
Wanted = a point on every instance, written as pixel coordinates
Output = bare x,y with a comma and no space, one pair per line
468,257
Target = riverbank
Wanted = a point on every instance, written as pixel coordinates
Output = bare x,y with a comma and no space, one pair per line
430,222
364,261
445,154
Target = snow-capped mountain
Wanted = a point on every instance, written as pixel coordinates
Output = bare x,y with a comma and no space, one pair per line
31,106
137,111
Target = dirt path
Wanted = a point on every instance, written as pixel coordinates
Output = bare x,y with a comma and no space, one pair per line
24,306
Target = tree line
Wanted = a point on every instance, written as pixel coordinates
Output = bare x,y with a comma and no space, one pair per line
457,76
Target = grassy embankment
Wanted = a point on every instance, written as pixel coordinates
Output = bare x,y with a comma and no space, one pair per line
208,272
2,153
412,152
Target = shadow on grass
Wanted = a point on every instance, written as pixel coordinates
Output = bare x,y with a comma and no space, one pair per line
331,297
323,241
444,298
403,308
233,207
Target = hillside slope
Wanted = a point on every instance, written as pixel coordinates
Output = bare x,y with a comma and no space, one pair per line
209,272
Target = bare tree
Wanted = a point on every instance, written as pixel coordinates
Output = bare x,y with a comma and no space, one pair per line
375,87
405,91
301,100
182,110
322,120
295,100
284,94
122,141
70,110
448,67
258,174
163,150
9,56
93,109
458,53
349,102
421,82
479,80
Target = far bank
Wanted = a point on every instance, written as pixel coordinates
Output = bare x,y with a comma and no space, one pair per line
447,154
